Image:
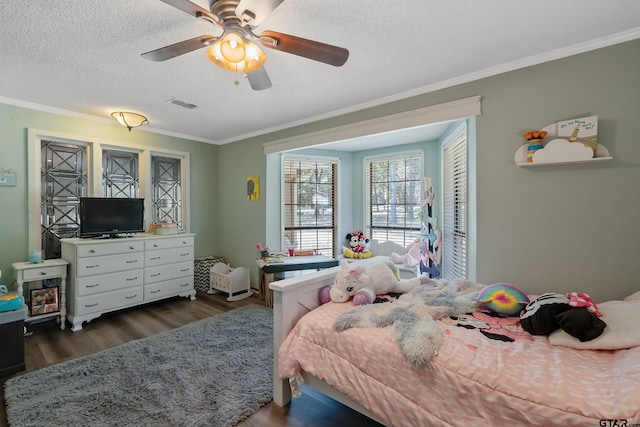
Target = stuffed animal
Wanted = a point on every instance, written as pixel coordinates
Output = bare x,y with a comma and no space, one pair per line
575,313
358,246
364,284
412,257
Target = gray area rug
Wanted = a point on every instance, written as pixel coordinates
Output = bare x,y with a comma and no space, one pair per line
214,372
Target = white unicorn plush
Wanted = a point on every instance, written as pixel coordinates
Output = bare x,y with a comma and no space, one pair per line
364,284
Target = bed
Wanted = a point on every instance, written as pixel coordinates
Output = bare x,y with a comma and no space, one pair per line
472,380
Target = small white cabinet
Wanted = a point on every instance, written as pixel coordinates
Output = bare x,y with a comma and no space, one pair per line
108,275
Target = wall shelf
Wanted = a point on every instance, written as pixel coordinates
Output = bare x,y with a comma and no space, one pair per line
561,154
520,158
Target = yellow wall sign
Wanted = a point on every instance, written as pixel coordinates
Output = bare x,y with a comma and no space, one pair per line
253,188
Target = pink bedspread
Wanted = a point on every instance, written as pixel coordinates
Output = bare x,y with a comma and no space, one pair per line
473,380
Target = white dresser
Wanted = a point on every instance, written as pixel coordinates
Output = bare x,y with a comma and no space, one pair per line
111,274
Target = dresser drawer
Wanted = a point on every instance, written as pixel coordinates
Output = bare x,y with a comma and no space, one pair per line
166,243
168,288
109,263
90,285
168,272
165,256
99,249
44,272
108,301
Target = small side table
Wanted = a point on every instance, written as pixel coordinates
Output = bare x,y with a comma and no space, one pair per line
48,269
267,270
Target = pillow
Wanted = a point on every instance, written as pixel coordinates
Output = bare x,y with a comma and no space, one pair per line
503,298
633,297
622,331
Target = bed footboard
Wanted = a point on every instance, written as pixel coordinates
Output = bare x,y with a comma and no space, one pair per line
292,299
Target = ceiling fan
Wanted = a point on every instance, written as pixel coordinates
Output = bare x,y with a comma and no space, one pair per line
236,49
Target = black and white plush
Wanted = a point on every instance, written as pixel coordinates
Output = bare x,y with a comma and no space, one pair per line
551,311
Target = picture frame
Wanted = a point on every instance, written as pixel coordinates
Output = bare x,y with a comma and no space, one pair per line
253,188
44,301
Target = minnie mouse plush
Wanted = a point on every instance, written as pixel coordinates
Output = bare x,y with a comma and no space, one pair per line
358,246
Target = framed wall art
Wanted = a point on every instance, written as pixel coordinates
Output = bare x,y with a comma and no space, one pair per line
253,188
44,301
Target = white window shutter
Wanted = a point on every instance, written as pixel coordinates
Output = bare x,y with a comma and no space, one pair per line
454,224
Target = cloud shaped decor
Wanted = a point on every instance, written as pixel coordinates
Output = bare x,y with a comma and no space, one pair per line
561,150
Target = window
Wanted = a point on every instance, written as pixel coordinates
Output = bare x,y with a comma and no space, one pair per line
309,204
63,171
454,224
120,176
392,197
166,189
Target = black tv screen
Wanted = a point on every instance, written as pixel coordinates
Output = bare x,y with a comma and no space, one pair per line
110,217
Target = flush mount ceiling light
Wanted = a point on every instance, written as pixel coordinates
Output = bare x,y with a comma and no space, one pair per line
129,120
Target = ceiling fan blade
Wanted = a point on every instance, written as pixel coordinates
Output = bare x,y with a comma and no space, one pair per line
259,79
253,12
180,48
192,9
332,55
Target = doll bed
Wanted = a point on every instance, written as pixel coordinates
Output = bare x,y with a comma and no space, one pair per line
472,380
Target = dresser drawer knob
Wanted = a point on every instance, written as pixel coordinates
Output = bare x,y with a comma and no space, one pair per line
93,266
154,292
43,273
155,274
155,258
130,279
93,286
132,261
91,305
132,296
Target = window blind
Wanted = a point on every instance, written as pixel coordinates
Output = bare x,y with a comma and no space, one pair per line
454,224
309,196
392,197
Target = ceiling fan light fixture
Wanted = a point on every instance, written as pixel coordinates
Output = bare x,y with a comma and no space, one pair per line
129,120
235,53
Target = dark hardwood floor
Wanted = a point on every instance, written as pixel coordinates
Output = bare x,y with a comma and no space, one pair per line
48,345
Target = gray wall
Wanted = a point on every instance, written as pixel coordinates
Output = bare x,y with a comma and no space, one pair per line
556,228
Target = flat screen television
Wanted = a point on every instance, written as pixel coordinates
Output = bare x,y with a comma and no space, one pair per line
110,217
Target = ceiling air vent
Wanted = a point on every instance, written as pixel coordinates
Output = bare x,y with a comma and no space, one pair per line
184,104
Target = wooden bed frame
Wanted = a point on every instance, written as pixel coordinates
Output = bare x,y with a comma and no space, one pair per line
293,298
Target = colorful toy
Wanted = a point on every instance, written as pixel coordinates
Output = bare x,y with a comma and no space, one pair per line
503,298
354,281
9,300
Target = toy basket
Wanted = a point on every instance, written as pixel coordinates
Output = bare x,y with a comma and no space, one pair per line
201,267
233,281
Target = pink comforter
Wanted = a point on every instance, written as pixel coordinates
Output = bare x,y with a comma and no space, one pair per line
473,380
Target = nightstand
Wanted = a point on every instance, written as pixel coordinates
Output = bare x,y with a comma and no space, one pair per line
48,269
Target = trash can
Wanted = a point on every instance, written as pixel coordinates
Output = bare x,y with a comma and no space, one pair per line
12,339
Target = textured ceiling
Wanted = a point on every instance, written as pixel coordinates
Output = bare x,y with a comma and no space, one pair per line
83,57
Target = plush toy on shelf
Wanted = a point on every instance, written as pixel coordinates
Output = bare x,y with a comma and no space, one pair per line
365,284
358,246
